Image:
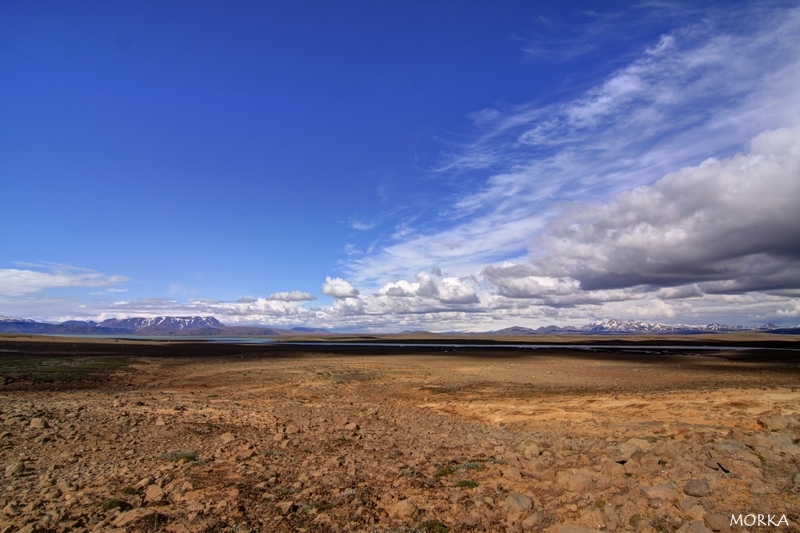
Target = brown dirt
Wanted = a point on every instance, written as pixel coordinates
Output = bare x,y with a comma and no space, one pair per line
302,439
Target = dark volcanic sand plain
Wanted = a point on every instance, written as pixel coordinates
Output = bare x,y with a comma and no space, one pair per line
104,435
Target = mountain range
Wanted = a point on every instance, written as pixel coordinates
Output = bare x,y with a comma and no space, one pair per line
637,326
210,326
161,325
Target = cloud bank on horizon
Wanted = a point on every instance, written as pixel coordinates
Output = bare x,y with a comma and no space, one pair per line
665,190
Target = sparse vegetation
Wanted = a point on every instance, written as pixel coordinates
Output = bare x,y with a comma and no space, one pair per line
130,491
113,503
466,484
432,526
177,456
446,471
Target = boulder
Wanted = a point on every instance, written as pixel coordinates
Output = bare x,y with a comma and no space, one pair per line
517,503
697,488
404,509
133,516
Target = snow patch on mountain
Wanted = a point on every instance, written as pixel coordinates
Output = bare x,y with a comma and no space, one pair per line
171,323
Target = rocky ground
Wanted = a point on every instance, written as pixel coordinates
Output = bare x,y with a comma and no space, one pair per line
558,441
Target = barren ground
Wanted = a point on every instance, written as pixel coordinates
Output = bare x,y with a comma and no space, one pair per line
126,436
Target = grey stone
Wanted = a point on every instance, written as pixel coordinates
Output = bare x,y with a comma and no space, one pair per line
517,503
730,445
532,522
697,488
718,522
664,491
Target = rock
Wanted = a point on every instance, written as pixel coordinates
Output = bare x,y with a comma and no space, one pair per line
285,507
153,494
140,485
686,504
133,516
292,429
38,423
512,472
517,503
693,527
718,522
352,426
10,510
532,522
697,488
730,446
227,438
578,483
571,528
160,422
592,518
532,452
664,491
14,469
624,451
773,422
404,509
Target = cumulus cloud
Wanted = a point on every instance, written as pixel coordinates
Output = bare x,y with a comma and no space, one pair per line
338,288
18,282
725,225
291,296
431,285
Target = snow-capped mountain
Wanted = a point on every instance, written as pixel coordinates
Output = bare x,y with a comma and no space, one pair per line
163,323
6,318
636,326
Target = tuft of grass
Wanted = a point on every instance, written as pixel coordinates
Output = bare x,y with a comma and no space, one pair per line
467,465
599,504
113,503
130,491
432,526
177,456
446,471
467,484
272,453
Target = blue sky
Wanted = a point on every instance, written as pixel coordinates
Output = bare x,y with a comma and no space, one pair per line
391,166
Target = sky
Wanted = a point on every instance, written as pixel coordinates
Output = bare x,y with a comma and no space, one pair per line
392,166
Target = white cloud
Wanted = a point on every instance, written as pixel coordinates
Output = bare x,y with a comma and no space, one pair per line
701,90
291,296
726,225
338,288
361,226
19,282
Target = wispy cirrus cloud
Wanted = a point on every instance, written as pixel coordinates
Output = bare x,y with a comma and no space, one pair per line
703,89
37,278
